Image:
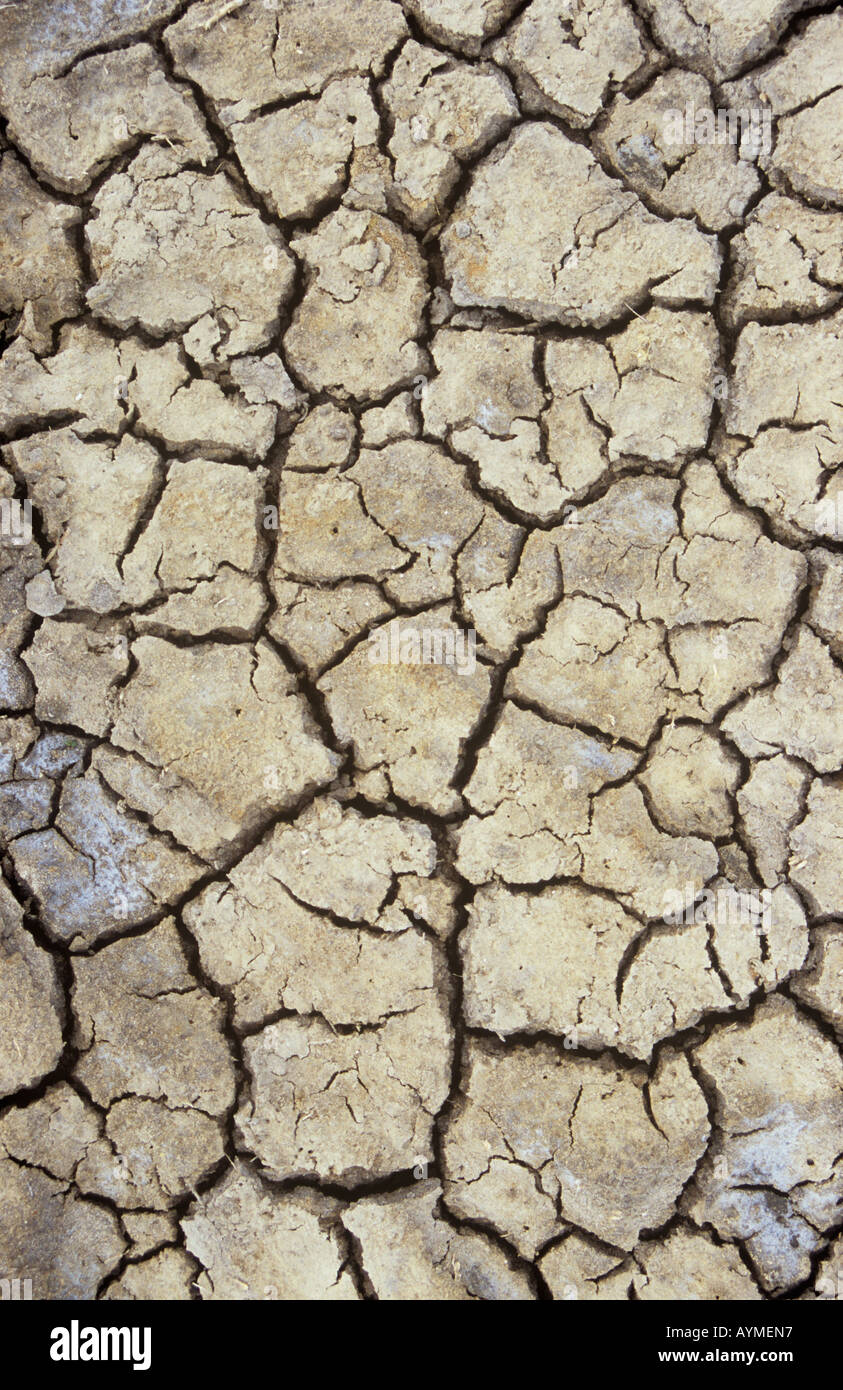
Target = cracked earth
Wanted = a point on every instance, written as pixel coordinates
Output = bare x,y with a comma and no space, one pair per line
329,970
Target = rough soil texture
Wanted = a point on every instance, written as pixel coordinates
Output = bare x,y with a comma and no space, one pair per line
334,970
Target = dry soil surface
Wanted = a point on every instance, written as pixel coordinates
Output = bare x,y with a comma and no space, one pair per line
421,653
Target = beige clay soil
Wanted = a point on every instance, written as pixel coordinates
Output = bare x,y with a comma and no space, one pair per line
335,327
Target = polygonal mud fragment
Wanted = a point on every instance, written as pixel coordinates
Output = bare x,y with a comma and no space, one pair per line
353,333
319,625
626,853
51,1133
571,264
413,712
273,953
17,736
409,1252
42,597
787,262
326,534
70,126
784,399
30,756
27,790
685,1265
206,520
264,381
659,553
64,1244
149,1155
757,941
489,560
166,1275
484,379
84,382
345,863
574,963
648,143
91,496
230,605
323,439
443,114
463,24
660,406
542,1136
631,553
717,661
77,670
794,475
41,275
545,962
254,54
424,501
736,867
254,1243
369,181
25,806
670,983
149,1230
690,778
777,1087
826,611
531,794
507,581
184,412
576,442
592,667
168,802
770,803
802,714
351,1104
432,902
785,375
577,1268
688,1265
566,58
803,155
708,510
613,551
32,1003
815,863
515,469
711,37
99,870
144,1026
167,250
820,984
297,157
281,932
40,40
383,424
609,400
219,717
801,91
821,1203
